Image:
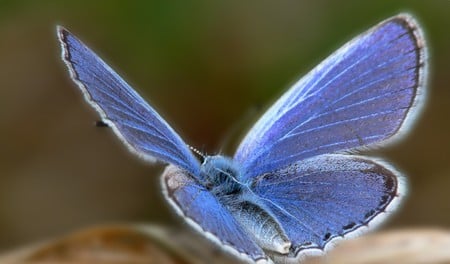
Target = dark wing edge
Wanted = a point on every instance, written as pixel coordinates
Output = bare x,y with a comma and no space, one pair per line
169,174
373,222
190,162
419,102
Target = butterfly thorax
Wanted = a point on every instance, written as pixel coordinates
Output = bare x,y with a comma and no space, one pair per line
220,175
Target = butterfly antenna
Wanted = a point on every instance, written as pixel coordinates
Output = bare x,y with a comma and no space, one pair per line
198,152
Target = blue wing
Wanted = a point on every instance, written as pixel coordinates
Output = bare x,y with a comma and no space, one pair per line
206,213
329,196
360,96
132,119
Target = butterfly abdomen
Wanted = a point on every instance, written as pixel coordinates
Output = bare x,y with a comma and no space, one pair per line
259,224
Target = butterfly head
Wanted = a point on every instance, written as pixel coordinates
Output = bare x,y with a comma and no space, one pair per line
220,174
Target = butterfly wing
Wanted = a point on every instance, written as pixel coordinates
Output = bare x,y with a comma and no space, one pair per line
358,97
329,196
132,119
207,214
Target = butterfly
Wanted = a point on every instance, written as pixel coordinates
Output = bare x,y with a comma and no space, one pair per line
296,184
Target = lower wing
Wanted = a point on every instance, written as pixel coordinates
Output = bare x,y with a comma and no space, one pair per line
329,196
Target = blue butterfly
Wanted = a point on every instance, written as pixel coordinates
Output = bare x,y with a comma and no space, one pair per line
294,187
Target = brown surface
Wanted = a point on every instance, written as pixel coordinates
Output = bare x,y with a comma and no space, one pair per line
152,244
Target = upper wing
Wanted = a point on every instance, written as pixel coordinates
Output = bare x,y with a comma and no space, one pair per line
205,212
329,196
359,96
132,119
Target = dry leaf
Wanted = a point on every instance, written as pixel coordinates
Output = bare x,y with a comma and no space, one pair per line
136,244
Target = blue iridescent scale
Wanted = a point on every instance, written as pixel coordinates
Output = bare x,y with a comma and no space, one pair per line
296,183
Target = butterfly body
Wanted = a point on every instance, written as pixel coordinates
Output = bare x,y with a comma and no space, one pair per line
243,204
295,184
223,182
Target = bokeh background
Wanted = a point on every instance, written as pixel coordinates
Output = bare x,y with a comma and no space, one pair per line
210,68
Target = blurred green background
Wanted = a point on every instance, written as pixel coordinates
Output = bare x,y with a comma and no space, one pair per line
210,68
